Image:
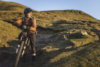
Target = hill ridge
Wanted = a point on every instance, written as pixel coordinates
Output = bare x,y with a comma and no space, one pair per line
11,6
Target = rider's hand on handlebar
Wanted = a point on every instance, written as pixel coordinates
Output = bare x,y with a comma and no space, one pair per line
25,27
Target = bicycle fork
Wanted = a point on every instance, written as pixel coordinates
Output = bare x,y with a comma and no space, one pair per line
24,47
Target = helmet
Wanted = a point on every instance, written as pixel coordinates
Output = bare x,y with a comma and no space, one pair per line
27,10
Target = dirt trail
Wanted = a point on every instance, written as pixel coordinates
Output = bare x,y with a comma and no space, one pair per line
42,39
11,50
9,63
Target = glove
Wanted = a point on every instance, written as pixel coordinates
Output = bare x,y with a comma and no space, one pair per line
26,27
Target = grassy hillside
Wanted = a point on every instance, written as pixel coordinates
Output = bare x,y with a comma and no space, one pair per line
8,32
57,21
46,19
11,6
59,50
85,56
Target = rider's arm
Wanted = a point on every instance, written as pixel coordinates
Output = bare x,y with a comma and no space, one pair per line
18,22
33,25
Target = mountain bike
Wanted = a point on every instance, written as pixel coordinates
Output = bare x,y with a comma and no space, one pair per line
23,48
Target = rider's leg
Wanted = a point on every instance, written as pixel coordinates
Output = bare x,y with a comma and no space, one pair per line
32,43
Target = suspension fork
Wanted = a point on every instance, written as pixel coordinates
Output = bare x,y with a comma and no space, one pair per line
18,46
25,46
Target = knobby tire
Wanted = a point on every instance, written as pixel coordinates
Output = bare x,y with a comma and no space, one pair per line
19,53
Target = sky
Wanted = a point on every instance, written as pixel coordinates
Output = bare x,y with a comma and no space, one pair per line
90,7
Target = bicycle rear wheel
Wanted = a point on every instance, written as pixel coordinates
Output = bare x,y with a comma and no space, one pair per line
19,54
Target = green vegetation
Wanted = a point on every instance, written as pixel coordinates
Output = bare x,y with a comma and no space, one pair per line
11,6
60,53
85,56
8,32
55,20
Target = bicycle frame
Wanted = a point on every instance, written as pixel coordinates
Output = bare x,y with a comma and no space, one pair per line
26,44
23,45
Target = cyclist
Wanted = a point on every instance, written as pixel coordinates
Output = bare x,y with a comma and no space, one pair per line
29,21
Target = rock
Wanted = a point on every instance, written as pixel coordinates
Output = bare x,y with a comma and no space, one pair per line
68,47
84,33
49,47
78,34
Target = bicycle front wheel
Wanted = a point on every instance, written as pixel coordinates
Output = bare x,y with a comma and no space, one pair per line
19,53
